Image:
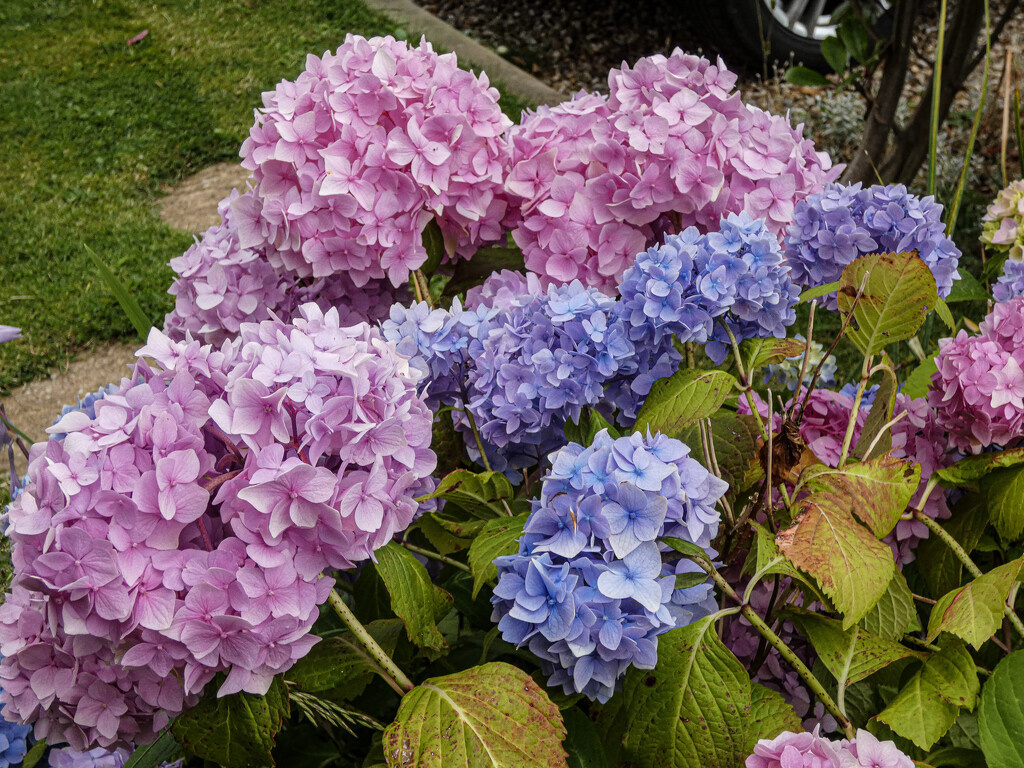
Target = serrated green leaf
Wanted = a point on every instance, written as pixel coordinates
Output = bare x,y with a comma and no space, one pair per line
895,614
760,352
928,704
499,537
835,53
35,754
1004,492
414,598
975,611
851,566
971,469
1001,715
692,709
770,715
850,655
235,731
690,580
448,536
479,493
939,565
735,437
818,292
341,662
967,288
682,399
942,310
582,741
770,560
877,491
879,415
491,716
899,293
163,750
805,76
920,379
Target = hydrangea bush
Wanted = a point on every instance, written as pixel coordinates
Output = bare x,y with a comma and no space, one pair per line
478,443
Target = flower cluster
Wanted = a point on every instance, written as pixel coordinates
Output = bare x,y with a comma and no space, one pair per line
137,580
836,226
812,750
13,743
220,285
93,758
524,361
978,391
598,180
355,156
1011,283
591,588
1003,228
735,275
918,436
787,373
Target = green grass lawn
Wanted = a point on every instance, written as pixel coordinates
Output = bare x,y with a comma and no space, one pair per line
92,130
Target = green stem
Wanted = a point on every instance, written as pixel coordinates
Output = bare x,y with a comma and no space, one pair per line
422,287
851,427
436,556
395,677
933,137
784,650
479,441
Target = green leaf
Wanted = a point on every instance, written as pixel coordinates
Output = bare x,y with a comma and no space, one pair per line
690,579
444,538
818,292
499,537
341,662
34,755
940,567
967,288
805,76
124,297
489,716
850,655
682,399
854,35
433,243
414,598
164,750
851,565
971,469
876,491
879,415
769,559
684,547
975,611
1001,715
693,709
479,494
835,54
1004,491
470,272
928,704
235,731
942,310
735,437
591,422
760,352
898,294
582,741
895,614
920,379
770,715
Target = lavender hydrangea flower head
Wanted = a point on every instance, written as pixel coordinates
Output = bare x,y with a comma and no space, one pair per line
978,391
832,228
598,180
866,751
354,157
9,333
1011,283
93,758
1003,228
591,588
789,750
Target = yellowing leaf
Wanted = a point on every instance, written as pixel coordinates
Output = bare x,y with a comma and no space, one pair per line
414,598
975,611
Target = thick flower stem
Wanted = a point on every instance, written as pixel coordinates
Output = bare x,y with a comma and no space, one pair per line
784,650
419,281
395,677
851,426
744,382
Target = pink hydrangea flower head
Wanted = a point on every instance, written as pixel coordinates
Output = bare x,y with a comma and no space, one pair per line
795,750
353,158
866,751
597,180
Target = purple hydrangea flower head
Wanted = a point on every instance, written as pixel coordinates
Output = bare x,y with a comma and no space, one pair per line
1003,228
354,157
598,180
832,228
220,285
591,587
66,757
793,750
1011,283
866,751
9,333
978,391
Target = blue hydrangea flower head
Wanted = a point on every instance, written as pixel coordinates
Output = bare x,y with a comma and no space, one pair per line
14,740
592,587
787,373
1010,284
832,228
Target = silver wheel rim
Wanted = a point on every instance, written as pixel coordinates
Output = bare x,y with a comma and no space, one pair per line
806,18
